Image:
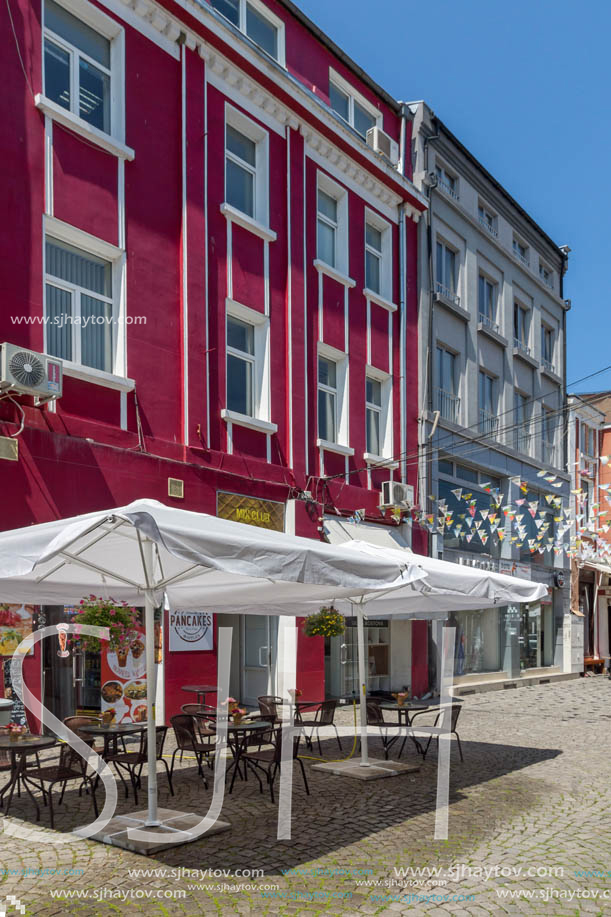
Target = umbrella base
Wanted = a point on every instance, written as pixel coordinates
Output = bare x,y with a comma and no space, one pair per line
376,769
174,828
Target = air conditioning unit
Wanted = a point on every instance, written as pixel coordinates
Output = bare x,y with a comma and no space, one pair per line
28,373
397,494
381,143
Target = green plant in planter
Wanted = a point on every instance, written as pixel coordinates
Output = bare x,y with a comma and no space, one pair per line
119,617
327,622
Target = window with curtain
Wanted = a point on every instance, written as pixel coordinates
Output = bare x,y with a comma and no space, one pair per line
78,306
327,399
77,72
373,414
521,421
240,366
547,345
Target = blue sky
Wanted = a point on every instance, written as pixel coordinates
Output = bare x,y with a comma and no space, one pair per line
525,86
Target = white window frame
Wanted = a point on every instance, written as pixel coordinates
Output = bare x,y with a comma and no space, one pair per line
495,299
90,245
548,329
445,177
516,245
440,282
261,416
518,304
544,269
353,96
340,194
483,212
385,412
113,31
342,428
265,13
385,255
260,138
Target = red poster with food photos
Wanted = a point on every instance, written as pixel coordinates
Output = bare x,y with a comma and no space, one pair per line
124,681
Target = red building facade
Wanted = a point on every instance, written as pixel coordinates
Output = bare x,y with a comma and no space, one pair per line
196,225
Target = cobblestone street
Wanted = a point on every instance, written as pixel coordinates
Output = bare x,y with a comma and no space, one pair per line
533,794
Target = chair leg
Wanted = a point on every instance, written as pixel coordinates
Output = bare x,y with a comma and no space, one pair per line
427,747
118,770
94,800
272,777
318,740
172,763
303,774
459,746
169,776
339,741
201,770
50,791
61,798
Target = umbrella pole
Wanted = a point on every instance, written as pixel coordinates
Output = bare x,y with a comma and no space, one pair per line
360,633
151,734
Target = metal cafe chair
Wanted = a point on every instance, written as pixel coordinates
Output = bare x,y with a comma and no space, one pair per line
454,712
270,760
192,740
324,716
70,766
134,761
375,717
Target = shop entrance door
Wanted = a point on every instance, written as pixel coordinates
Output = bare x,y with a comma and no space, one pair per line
259,642
70,685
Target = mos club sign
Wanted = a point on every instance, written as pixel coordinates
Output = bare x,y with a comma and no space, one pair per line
190,630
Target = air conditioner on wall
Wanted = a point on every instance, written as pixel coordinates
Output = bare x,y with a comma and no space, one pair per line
381,143
396,494
26,372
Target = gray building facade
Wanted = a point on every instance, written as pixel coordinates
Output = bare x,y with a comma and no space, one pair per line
493,462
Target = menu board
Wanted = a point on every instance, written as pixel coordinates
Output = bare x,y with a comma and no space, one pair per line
124,681
16,623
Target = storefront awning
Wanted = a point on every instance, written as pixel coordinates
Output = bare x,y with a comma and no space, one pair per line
600,568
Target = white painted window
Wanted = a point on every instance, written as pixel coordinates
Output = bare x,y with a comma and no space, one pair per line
378,414
332,224
521,422
546,274
247,363
246,166
83,64
488,219
447,181
488,420
79,306
447,279
547,346
378,255
240,366
257,22
332,396
327,399
446,397
352,107
521,318
487,298
520,250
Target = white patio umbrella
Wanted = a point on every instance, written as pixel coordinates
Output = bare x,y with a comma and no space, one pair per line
138,553
447,587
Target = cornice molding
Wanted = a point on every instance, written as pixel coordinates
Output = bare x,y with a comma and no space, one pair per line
172,28
344,164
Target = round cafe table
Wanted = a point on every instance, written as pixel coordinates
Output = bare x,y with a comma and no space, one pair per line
18,751
112,733
201,691
238,737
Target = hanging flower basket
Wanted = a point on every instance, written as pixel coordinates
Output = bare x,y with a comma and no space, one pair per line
119,617
327,622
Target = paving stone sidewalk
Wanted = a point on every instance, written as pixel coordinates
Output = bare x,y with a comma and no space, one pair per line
533,794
